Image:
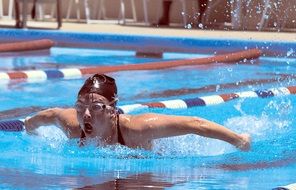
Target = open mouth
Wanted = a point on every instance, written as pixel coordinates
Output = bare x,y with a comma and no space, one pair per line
88,128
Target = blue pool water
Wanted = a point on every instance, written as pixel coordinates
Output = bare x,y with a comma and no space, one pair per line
51,161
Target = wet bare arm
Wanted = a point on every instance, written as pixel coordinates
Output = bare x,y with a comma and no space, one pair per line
42,118
154,126
66,119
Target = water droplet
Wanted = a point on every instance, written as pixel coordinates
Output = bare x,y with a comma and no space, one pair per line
217,87
188,26
274,24
290,52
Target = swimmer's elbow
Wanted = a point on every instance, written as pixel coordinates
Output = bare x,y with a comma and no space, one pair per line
197,126
45,117
48,116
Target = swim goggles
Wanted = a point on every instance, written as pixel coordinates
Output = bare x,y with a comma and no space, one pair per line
96,107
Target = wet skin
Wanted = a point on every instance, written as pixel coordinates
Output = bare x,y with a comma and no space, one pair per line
137,130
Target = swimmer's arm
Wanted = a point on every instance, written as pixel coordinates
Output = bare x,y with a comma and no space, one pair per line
42,118
159,126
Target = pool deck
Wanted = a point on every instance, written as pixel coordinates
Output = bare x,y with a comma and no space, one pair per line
178,32
111,26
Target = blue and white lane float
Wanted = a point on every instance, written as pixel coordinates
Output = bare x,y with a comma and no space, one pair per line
70,73
18,125
210,100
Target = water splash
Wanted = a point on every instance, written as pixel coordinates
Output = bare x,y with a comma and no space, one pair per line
274,120
290,52
191,146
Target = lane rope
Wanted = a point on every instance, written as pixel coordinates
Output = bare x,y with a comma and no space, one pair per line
26,45
210,100
18,125
214,87
70,73
12,125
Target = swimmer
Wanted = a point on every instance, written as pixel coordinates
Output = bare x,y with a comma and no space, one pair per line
95,116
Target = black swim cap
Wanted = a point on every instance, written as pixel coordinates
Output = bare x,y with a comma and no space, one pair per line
100,84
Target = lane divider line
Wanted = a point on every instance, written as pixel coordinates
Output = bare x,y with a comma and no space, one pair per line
18,124
78,72
31,45
210,100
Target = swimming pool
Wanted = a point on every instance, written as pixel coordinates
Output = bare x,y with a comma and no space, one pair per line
51,161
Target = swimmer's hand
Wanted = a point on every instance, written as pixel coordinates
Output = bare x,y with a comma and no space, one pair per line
245,142
28,127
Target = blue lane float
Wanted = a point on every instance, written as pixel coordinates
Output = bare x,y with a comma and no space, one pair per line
12,125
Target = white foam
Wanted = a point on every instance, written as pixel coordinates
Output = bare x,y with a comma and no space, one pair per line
191,145
51,132
259,127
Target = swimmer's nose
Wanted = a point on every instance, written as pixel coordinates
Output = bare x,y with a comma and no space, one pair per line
86,114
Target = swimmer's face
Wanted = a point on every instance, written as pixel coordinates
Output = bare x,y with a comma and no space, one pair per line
94,114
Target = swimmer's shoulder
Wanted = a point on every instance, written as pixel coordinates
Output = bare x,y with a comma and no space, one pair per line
67,119
134,121
124,119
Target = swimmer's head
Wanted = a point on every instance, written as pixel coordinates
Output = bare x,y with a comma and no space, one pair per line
100,84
